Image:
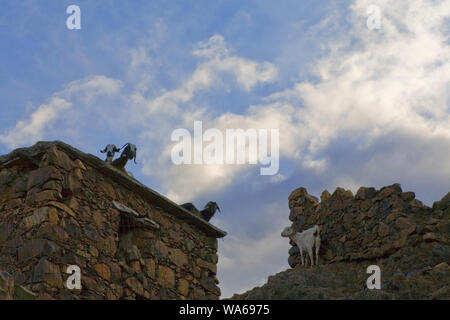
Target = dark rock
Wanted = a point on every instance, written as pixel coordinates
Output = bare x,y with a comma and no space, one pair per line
442,204
299,224
43,175
71,185
295,213
6,177
116,272
294,250
44,196
55,157
364,193
396,186
6,229
21,184
6,286
35,248
297,193
210,285
47,272
22,293
73,230
325,196
293,261
408,196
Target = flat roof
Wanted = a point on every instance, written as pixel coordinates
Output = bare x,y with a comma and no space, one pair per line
119,177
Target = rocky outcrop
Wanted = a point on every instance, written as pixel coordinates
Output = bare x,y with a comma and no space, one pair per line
347,281
10,291
369,225
60,207
388,227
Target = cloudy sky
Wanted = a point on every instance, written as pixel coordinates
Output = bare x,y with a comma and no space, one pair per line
353,106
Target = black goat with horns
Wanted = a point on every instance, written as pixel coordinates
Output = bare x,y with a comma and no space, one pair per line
127,154
210,209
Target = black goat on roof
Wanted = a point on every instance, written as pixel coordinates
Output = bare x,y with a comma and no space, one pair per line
207,213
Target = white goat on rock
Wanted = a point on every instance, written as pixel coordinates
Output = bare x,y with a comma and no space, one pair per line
305,241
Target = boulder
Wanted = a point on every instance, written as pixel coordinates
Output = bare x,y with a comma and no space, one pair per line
443,203
295,213
166,276
325,196
297,193
103,271
47,272
42,175
364,193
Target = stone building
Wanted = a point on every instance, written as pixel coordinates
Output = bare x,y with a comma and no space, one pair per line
60,207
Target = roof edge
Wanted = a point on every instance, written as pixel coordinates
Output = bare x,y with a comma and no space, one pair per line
119,177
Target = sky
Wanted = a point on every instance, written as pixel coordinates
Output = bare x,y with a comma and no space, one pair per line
354,106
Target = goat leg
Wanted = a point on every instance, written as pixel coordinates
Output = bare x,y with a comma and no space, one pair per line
311,257
301,256
317,253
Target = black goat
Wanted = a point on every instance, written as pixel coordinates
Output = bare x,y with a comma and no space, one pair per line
128,153
190,207
207,213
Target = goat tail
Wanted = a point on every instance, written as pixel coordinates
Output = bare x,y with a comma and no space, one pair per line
317,231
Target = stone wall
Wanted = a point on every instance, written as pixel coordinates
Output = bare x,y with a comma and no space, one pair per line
370,225
9,290
60,207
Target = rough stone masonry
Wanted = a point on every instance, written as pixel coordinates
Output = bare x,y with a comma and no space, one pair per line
389,228
370,225
61,207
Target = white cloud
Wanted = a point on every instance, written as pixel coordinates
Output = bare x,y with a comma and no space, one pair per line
174,109
278,178
34,128
246,259
211,178
139,57
91,87
370,84
160,113
214,48
31,130
395,80
217,61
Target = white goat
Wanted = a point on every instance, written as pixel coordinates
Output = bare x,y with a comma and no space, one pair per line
305,241
110,150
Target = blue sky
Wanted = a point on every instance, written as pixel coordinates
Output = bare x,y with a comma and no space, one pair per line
354,106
